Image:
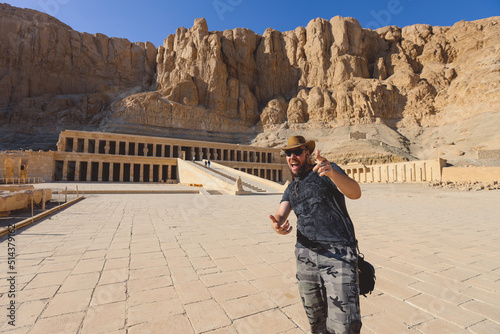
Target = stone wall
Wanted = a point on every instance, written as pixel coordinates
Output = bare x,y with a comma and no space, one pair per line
26,166
471,174
41,165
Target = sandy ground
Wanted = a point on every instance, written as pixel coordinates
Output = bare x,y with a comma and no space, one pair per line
184,263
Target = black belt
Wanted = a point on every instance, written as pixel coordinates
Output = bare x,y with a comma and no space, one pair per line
308,243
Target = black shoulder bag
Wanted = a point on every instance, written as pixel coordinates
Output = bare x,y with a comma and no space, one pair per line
366,274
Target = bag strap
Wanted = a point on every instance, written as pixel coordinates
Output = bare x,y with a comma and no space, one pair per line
348,218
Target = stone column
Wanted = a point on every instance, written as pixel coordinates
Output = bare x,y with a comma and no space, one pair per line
99,174
121,171
141,173
65,171
160,172
131,172
77,170
150,173
97,145
89,171
169,172
111,168
61,145
16,169
127,143
85,145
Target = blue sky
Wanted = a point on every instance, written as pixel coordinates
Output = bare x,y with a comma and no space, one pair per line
153,21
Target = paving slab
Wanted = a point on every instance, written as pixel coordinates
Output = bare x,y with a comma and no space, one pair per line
196,263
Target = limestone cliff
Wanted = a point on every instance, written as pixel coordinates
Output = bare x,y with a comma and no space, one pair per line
329,74
51,74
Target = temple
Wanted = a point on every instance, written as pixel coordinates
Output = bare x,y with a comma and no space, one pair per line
109,157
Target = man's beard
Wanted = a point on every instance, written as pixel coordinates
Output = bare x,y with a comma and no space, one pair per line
303,169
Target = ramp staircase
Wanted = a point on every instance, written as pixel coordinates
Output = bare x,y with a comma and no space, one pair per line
231,177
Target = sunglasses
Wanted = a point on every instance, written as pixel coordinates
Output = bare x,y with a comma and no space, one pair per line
297,152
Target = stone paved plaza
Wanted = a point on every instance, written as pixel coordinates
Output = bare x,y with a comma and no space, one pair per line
186,263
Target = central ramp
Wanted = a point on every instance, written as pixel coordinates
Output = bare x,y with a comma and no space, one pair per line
223,178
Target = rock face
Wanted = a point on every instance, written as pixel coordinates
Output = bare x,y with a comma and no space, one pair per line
40,55
328,74
49,71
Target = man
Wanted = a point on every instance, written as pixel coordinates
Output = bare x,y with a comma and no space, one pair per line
326,246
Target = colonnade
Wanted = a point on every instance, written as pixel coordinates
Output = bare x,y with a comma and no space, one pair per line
272,174
141,146
114,171
411,171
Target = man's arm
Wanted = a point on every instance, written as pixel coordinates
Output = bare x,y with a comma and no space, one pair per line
279,221
349,187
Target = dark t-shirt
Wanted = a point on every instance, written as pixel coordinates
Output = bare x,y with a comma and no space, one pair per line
320,209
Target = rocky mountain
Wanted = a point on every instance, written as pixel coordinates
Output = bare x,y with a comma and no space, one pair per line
325,80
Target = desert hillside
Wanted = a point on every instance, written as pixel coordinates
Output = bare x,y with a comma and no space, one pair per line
416,92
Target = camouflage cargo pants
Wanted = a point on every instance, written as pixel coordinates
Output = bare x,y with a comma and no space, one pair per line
327,281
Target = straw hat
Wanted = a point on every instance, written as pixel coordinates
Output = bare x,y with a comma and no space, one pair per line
298,141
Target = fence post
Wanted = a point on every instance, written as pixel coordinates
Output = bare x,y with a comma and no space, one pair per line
43,200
